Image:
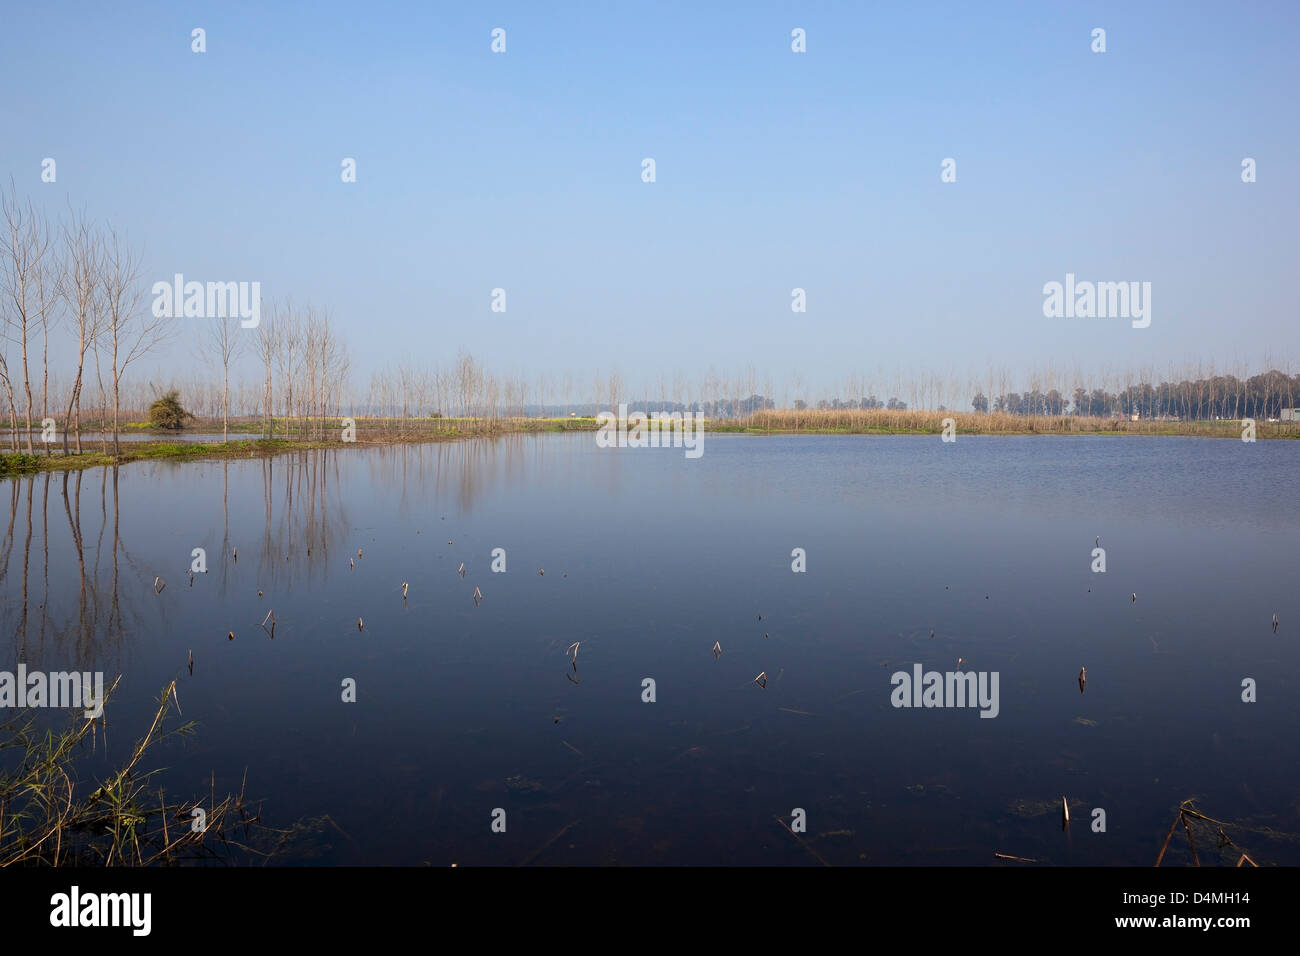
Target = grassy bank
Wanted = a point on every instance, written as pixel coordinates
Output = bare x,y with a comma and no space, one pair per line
18,464
368,432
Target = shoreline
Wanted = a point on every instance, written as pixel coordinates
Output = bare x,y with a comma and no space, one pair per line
21,463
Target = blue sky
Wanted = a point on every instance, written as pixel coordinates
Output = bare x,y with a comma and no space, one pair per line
775,170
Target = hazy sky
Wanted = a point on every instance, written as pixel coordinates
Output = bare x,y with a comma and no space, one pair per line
774,170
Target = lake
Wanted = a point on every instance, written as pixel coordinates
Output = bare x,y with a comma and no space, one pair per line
463,708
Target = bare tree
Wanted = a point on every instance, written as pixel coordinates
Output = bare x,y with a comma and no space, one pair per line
466,378
7,384
26,250
220,346
131,331
616,393
289,356
267,346
83,251
49,281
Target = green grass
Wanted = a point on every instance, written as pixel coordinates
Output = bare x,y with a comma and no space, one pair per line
154,451
19,464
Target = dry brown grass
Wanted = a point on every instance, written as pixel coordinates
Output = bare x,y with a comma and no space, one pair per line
884,421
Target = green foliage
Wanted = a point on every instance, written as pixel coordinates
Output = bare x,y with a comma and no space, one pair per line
19,464
167,412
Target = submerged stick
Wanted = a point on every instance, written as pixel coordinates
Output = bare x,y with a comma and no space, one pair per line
538,852
817,856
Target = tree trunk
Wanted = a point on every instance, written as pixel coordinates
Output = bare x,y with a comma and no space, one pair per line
45,381
73,397
27,386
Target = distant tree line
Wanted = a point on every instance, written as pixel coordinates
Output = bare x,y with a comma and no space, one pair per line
1260,396
836,405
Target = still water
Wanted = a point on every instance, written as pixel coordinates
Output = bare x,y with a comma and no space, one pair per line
463,708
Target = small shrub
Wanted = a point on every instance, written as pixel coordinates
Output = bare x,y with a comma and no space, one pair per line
167,412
